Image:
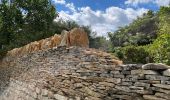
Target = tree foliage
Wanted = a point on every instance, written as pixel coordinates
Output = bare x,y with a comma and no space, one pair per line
146,37
141,31
24,21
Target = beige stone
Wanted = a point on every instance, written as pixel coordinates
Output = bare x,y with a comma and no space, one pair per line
140,71
78,37
151,97
162,86
166,72
154,66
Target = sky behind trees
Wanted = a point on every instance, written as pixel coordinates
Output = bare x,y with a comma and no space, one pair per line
105,15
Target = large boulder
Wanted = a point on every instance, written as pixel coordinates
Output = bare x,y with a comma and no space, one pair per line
64,36
75,37
78,37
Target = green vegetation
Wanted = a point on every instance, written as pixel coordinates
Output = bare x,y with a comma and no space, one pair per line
133,54
160,49
24,21
146,39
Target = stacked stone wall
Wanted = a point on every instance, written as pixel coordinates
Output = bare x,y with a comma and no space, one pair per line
80,74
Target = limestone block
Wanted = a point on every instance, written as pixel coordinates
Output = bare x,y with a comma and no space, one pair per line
162,95
151,97
162,86
60,97
166,72
140,71
154,66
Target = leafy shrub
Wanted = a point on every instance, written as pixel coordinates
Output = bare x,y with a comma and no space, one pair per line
160,49
2,53
133,54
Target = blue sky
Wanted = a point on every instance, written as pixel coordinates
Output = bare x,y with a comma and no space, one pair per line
105,15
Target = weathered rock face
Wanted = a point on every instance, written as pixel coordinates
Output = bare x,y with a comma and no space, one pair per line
76,37
80,74
36,46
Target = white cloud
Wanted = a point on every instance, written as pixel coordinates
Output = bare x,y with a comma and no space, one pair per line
67,5
162,2
103,21
59,1
135,3
71,6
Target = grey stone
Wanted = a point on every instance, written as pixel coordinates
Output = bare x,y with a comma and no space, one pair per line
162,95
151,97
157,77
150,81
165,82
166,72
123,88
147,72
124,97
136,88
162,86
91,93
143,92
132,66
154,66
125,72
44,92
60,97
161,90
146,85
126,83
118,76
115,72
113,80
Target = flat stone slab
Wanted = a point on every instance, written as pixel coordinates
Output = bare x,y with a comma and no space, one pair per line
166,72
151,97
162,86
141,71
154,66
162,95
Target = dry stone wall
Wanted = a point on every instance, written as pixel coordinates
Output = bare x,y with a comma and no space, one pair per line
80,74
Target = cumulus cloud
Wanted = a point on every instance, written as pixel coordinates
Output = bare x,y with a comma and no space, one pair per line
162,2
103,21
135,3
59,1
71,7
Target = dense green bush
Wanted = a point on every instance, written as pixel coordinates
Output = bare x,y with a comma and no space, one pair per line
2,53
160,49
133,54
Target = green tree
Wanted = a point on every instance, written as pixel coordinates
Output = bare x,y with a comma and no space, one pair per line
24,21
160,49
164,20
141,31
11,22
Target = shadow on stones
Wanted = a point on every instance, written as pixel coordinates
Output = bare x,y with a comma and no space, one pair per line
12,69
5,73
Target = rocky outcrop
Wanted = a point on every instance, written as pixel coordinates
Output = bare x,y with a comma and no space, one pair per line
81,74
36,46
75,37
78,37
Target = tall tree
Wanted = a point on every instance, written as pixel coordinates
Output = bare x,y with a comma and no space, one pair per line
24,21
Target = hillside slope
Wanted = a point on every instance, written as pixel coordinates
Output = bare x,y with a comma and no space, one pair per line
80,74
